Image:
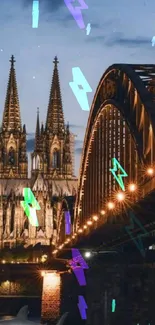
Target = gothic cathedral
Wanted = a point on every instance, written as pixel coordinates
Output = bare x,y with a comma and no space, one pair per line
52,167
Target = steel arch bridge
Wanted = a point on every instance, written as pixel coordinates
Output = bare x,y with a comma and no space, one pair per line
121,124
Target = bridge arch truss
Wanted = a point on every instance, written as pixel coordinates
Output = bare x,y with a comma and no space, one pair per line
121,125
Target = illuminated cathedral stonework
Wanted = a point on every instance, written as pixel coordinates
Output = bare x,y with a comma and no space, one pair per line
52,167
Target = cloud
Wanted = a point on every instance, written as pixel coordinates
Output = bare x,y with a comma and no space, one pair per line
31,142
104,24
129,42
68,18
118,39
57,7
95,26
30,145
94,39
78,143
52,5
73,126
30,135
78,151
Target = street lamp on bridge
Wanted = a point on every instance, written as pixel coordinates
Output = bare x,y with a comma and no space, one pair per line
120,196
89,222
103,212
132,187
87,254
150,171
110,205
95,218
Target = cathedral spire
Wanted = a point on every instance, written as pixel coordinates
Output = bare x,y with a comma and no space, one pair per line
37,135
11,116
55,117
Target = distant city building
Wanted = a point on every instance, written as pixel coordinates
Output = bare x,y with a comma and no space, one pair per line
52,168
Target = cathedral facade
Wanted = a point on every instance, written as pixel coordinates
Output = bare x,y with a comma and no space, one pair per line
52,168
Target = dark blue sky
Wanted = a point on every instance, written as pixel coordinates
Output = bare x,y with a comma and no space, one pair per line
121,33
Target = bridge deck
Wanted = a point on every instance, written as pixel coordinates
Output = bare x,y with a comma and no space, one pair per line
113,233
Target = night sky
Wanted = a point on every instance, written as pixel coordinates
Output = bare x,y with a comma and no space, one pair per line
121,32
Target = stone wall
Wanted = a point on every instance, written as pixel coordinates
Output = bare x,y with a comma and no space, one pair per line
132,287
22,287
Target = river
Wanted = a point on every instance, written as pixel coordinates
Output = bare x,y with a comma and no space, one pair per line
7,317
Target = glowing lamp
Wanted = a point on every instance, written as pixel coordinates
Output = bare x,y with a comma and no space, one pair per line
89,222
103,212
110,205
132,187
52,279
95,218
120,196
150,171
43,258
80,230
87,254
85,227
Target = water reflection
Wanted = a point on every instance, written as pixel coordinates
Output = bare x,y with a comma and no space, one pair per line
8,317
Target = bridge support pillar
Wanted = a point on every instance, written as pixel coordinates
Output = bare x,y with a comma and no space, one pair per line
50,309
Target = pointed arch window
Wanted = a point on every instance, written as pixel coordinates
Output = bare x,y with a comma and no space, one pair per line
34,163
40,216
26,224
56,159
2,154
37,162
11,156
